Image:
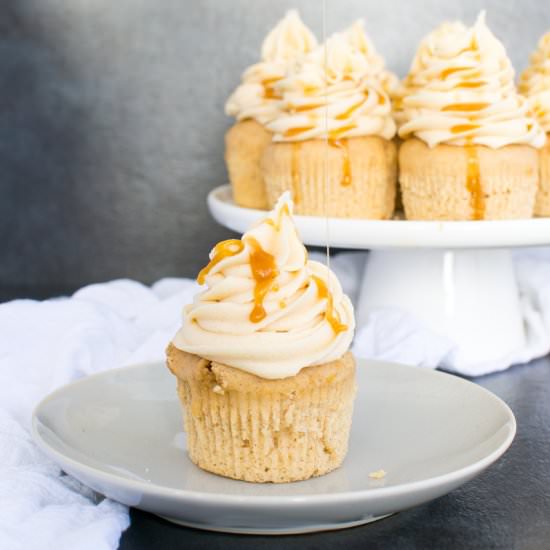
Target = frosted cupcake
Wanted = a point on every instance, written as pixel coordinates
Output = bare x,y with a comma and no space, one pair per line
470,149
332,145
255,102
535,85
264,373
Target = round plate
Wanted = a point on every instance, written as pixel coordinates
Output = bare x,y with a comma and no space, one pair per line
372,234
120,432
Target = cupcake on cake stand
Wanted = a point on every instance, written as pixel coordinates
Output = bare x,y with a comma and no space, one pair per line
457,276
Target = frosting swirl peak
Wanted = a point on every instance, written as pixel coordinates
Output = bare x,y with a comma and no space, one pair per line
461,91
267,309
534,82
255,97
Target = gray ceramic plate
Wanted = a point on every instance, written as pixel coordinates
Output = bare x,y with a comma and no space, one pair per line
120,432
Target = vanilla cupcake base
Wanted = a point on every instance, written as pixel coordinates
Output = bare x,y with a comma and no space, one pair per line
464,183
347,178
542,203
253,429
244,145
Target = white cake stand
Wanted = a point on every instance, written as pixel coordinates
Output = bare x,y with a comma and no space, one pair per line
457,277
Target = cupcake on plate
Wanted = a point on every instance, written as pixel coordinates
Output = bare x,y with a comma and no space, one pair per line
332,138
262,363
534,83
471,144
255,102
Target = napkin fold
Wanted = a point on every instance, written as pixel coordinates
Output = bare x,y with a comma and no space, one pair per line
47,344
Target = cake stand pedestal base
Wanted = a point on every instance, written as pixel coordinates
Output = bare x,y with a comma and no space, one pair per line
470,296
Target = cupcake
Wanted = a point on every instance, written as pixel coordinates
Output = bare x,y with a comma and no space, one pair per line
255,102
262,363
470,149
534,83
332,145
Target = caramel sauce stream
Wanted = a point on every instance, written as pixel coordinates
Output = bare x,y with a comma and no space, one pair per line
222,250
473,182
264,270
330,314
347,113
346,167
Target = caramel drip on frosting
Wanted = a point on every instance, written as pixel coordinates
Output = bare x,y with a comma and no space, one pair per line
222,250
471,84
335,134
264,270
346,167
451,70
466,107
269,91
473,182
347,114
460,128
330,315
292,132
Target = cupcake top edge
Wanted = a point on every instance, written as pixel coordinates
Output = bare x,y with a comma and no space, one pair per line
333,93
461,91
255,97
534,82
266,308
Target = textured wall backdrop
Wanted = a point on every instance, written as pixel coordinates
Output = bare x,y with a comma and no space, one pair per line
111,120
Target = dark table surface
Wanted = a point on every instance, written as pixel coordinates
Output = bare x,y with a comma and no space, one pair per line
508,506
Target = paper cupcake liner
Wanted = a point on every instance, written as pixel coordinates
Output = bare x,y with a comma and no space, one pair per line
354,178
252,429
434,182
542,203
244,145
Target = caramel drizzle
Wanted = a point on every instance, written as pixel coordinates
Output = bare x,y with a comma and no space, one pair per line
306,107
330,315
473,182
460,128
466,107
293,132
452,70
264,270
473,73
269,91
223,249
346,166
347,114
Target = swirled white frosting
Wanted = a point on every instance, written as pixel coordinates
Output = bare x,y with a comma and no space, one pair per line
331,93
255,97
534,82
359,40
298,329
461,90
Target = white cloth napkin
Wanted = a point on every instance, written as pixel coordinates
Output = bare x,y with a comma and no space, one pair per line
44,345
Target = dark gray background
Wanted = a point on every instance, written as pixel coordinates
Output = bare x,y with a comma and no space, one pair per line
111,120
